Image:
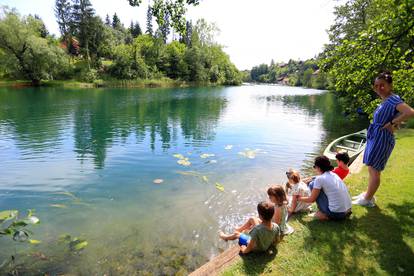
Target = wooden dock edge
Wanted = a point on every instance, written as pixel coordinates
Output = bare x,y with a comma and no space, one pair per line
218,263
231,255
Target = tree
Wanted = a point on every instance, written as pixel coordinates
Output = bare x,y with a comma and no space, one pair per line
175,9
149,22
116,22
369,36
41,26
63,16
25,53
164,28
108,20
135,29
81,25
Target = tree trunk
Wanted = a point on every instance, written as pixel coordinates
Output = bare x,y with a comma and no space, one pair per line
35,82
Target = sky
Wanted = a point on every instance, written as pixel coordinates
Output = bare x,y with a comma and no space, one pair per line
252,32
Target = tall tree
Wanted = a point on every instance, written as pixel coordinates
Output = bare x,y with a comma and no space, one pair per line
108,20
63,16
149,21
135,29
116,22
164,28
81,24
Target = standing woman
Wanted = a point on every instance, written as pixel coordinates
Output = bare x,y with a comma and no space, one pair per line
380,137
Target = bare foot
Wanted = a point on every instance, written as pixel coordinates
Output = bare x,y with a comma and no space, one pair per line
321,216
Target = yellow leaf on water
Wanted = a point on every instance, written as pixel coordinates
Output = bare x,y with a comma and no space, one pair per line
158,181
207,155
219,187
189,173
34,241
179,156
184,162
205,178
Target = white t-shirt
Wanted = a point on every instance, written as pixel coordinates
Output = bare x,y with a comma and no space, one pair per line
300,189
336,191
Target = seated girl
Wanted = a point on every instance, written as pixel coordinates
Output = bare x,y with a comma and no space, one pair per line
294,188
277,195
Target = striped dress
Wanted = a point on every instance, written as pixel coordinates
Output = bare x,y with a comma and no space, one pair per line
380,142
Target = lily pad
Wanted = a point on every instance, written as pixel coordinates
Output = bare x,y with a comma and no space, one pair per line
219,187
158,181
207,155
62,206
228,147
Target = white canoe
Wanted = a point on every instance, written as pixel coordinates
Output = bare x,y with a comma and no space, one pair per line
353,144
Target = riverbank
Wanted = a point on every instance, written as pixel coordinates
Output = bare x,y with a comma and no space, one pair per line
374,241
159,83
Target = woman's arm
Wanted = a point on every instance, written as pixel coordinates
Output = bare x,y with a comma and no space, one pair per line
312,198
406,112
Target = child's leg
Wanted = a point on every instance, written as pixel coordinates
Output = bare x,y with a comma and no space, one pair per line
251,222
229,237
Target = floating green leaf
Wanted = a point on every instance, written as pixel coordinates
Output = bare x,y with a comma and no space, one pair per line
77,244
219,187
8,214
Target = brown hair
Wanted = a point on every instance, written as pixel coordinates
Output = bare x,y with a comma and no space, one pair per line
266,210
386,76
323,163
278,192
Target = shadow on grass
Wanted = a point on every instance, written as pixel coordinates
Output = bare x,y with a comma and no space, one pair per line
371,244
254,263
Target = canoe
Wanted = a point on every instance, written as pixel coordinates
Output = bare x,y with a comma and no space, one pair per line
353,144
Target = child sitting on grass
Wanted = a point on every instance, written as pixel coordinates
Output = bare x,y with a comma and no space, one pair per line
277,195
342,159
262,231
294,188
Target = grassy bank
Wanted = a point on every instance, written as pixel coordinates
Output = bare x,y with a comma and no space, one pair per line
160,83
374,241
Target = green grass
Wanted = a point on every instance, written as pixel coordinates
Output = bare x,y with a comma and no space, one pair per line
375,241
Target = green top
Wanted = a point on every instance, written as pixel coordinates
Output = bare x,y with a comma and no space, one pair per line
263,237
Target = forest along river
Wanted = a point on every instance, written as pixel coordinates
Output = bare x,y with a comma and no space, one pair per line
86,161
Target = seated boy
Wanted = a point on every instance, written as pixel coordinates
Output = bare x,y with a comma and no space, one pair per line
342,159
262,231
